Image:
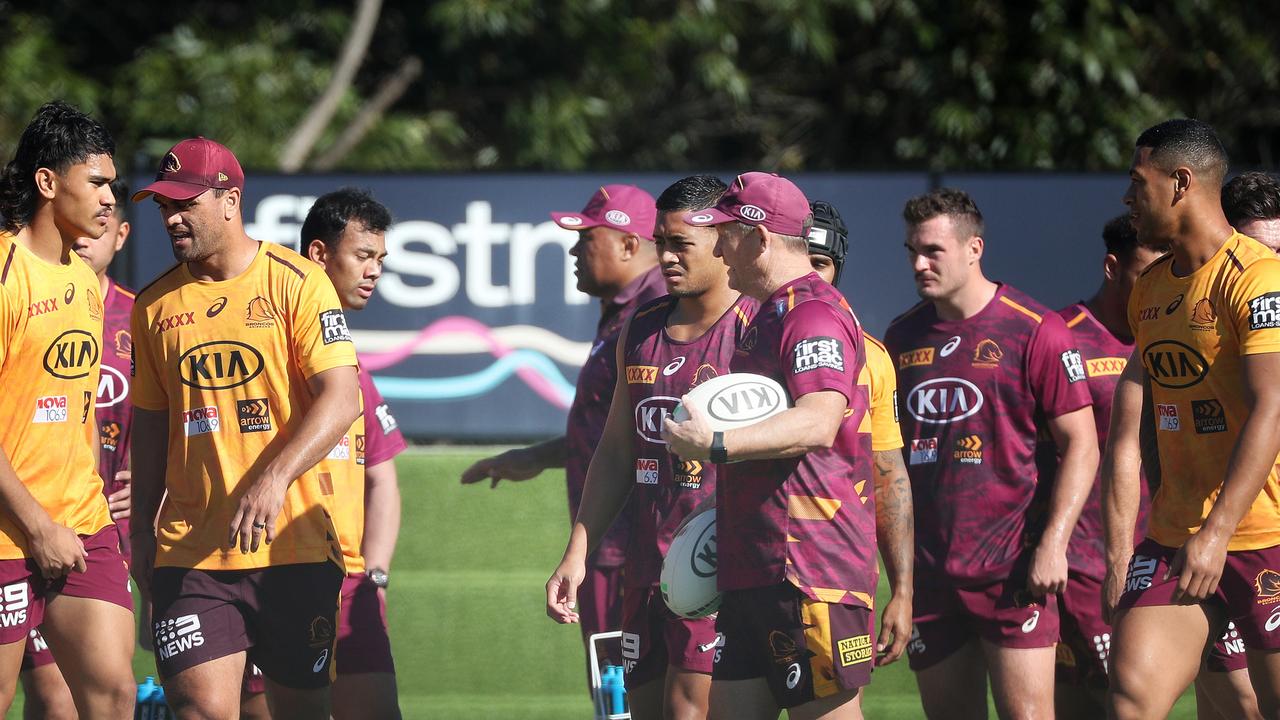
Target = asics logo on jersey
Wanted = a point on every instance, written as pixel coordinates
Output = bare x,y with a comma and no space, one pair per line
650,413
175,321
1273,622
216,307
113,387
320,661
70,294
1174,365
944,400
71,355
1031,622
219,365
951,346
673,366
41,307
1173,305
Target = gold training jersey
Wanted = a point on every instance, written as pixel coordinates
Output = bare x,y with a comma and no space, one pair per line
1192,333
50,325
879,374
228,362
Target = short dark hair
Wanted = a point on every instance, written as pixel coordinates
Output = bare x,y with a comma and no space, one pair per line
1251,196
953,203
57,137
120,189
1189,142
331,212
1121,238
692,193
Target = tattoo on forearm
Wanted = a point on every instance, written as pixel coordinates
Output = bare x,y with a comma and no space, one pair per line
895,524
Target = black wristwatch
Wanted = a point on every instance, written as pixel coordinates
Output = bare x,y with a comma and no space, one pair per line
718,453
378,577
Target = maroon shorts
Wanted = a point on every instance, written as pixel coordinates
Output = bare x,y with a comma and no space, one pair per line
1003,613
1084,646
23,592
654,638
804,649
36,653
1227,654
600,602
284,616
252,683
1249,591
363,644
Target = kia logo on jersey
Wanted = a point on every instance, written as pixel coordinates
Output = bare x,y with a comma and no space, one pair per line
944,400
1174,365
71,355
649,415
219,365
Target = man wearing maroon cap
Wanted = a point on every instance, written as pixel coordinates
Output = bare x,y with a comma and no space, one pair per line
796,525
616,262
243,361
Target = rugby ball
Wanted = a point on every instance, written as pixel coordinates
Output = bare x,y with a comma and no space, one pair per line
688,580
735,400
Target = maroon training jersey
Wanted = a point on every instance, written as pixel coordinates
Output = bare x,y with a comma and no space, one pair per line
972,395
114,410
382,438
591,406
810,520
659,370
1105,356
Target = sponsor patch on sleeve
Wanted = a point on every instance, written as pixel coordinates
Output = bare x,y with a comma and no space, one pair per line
1264,311
333,325
1074,365
817,352
386,419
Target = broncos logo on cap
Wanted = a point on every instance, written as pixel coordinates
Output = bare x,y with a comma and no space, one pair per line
170,163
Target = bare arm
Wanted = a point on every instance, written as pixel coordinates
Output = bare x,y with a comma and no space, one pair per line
381,514
336,406
56,549
810,426
1077,440
1121,475
1199,562
608,485
895,536
147,461
519,463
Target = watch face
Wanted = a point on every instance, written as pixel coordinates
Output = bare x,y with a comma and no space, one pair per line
379,577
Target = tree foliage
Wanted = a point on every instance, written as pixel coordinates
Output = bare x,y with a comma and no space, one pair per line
666,84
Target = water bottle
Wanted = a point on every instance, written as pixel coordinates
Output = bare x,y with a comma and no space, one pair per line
617,689
144,710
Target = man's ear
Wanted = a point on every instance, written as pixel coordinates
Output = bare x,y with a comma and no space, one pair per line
317,252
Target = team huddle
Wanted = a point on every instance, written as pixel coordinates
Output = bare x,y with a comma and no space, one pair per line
210,435
967,448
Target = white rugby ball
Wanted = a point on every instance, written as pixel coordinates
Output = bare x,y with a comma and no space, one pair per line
735,400
688,579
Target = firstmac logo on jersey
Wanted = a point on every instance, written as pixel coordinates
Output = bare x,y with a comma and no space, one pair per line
1264,311
817,352
385,419
1074,365
178,635
50,409
200,421
334,326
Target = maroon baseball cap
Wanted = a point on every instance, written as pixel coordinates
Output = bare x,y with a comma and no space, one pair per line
759,198
621,207
193,166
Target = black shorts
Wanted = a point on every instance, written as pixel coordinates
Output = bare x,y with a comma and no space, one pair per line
806,650
284,616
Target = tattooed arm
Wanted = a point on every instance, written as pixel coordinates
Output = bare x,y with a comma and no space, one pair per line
895,536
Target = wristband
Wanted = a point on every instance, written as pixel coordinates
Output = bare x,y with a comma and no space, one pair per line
718,452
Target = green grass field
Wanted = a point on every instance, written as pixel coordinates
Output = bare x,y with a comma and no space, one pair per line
470,635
